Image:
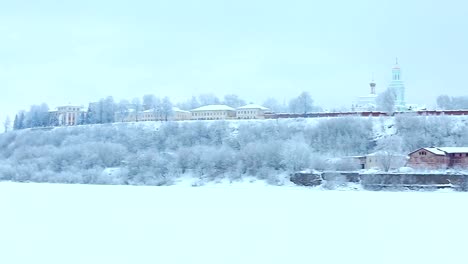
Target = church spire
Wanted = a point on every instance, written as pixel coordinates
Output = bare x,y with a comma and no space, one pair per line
398,86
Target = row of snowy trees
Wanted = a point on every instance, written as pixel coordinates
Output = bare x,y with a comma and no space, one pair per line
147,155
158,153
386,101
300,104
37,116
419,131
446,102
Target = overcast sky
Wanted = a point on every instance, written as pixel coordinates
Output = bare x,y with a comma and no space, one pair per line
63,52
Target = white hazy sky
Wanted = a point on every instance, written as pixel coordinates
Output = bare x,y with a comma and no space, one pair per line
78,51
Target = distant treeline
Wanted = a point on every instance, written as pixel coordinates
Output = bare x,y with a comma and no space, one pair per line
103,111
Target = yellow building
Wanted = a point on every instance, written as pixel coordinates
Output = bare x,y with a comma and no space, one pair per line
251,111
180,114
152,115
213,112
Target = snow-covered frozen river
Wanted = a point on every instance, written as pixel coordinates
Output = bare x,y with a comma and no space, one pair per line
56,224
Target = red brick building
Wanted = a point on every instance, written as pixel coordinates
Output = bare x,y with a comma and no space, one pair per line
439,158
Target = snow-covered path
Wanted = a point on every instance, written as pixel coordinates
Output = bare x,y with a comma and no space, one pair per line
56,224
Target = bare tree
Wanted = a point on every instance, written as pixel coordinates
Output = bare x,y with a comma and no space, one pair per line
389,152
444,102
273,105
208,99
122,109
302,104
166,108
7,124
137,107
149,100
233,100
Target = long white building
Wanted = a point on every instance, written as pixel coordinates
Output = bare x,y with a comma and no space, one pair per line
213,112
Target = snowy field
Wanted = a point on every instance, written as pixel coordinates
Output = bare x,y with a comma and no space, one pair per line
241,223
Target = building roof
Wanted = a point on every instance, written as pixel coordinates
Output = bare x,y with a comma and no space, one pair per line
214,108
436,151
177,109
76,106
451,150
442,151
253,106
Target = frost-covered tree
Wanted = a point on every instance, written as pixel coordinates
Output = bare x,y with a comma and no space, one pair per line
444,102
460,102
101,112
166,108
233,101
190,104
19,121
424,131
7,124
93,113
296,155
302,104
149,101
386,101
342,136
274,105
389,152
108,110
38,116
156,108
123,108
16,123
136,103
208,99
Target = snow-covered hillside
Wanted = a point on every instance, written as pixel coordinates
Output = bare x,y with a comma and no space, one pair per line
253,223
158,153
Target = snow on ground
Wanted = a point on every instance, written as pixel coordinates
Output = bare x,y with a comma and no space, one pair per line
240,223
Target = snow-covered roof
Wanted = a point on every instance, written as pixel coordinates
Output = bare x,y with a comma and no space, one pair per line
442,151
253,106
214,108
436,151
454,149
70,105
177,109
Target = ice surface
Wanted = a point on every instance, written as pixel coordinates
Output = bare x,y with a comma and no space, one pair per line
240,223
